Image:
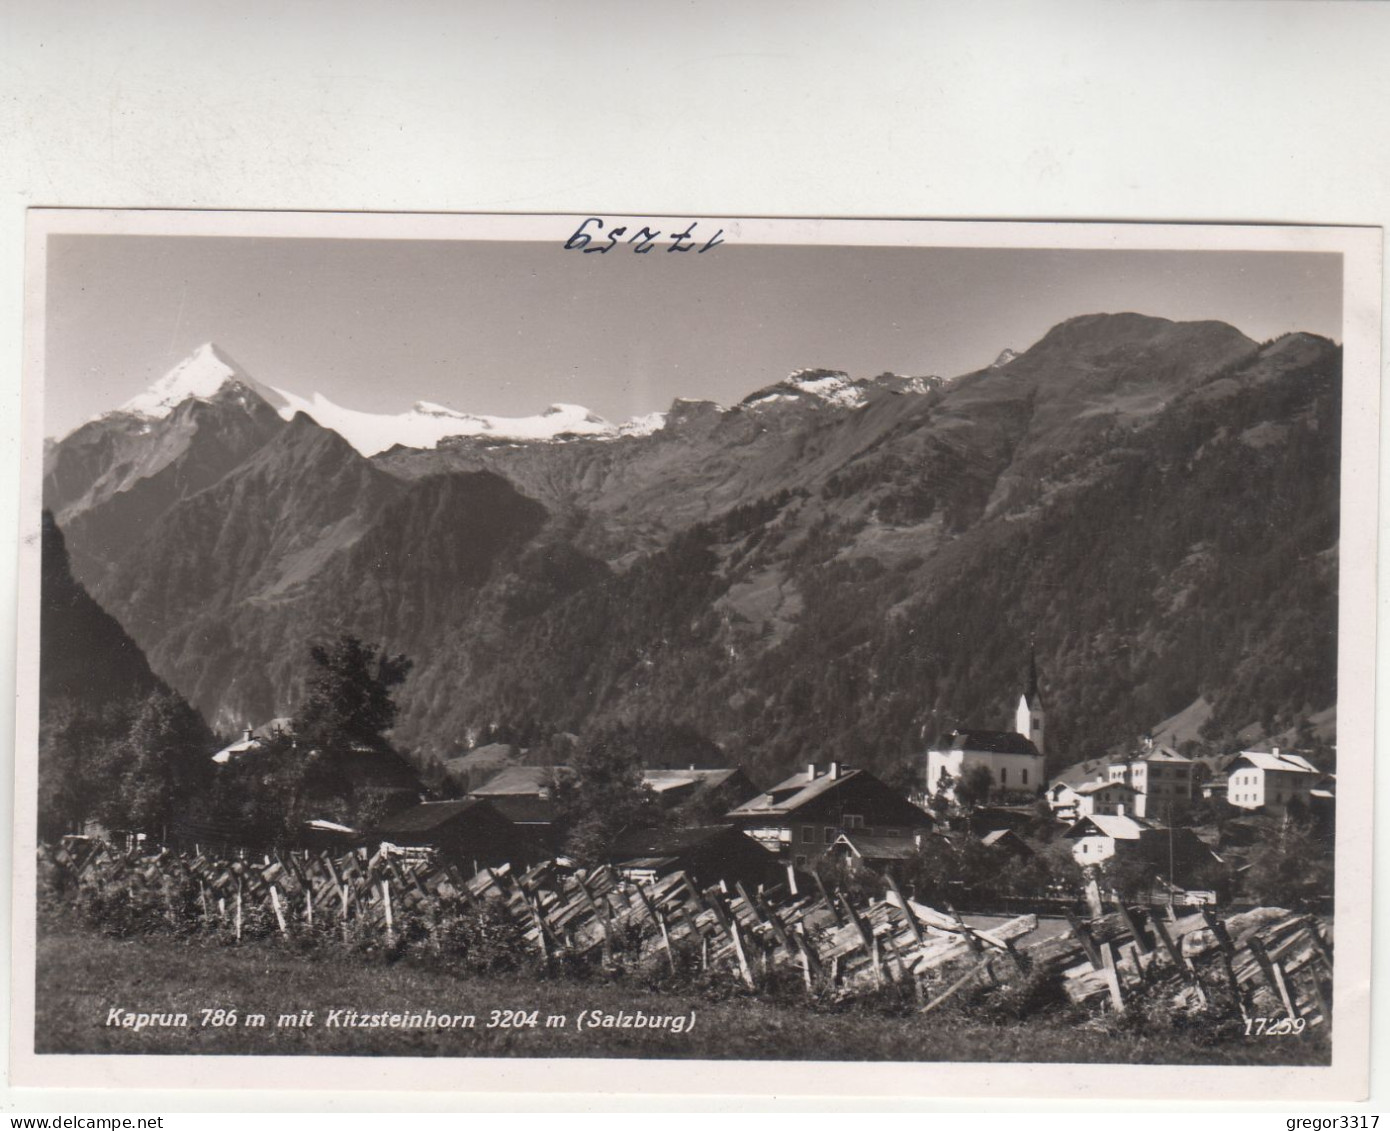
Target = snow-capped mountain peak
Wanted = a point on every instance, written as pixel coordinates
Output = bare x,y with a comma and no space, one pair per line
1003,359
426,423
427,408
643,425
810,386
829,385
208,371
201,376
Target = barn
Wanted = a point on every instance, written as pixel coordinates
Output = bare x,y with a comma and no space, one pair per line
469,832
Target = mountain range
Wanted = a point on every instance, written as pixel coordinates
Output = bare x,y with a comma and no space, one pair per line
835,567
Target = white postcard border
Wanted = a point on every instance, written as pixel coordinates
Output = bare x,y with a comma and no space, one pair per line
1345,1079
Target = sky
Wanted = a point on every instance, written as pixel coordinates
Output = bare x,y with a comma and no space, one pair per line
509,328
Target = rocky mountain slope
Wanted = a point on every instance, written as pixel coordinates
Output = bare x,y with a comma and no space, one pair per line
86,658
834,567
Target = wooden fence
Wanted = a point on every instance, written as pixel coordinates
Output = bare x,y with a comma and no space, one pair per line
1276,963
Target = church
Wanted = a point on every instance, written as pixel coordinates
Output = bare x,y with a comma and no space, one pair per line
1013,758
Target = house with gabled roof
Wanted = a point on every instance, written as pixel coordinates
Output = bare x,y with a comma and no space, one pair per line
252,740
801,817
1101,837
521,781
672,787
1061,794
524,794
707,854
1161,777
1107,798
1007,842
469,831
1270,780
480,765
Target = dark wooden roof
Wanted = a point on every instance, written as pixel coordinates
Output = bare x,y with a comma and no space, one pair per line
993,742
431,815
670,842
522,810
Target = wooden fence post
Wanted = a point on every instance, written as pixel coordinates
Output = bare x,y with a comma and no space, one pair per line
1088,944
279,915
1228,953
865,939
972,940
956,986
1112,975
386,905
1180,961
829,902
660,921
1274,975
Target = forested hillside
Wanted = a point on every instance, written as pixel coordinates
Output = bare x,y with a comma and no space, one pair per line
113,739
834,568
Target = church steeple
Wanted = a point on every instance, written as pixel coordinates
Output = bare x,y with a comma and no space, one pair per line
1029,718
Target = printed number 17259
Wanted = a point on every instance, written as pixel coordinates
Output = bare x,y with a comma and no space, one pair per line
1274,1026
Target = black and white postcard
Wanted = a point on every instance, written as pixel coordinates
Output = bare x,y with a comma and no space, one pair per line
882,657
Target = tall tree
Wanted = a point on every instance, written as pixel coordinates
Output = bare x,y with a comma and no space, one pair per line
1290,866
974,787
603,797
160,765
349,702
75,763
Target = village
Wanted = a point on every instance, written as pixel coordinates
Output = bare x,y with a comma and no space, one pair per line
1147,881
1149,823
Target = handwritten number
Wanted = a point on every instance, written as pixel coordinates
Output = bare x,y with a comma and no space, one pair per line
613,235
583,238
580,237
646,244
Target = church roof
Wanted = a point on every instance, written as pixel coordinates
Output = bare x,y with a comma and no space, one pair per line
993,742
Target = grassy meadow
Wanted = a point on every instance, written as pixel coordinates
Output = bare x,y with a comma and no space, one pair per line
83,975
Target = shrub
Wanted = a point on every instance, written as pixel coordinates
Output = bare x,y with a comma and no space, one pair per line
480,940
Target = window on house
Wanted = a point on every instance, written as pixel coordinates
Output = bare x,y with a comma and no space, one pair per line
808,834
828,833
854,820
801,861
1003,775
892,832
1025,777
